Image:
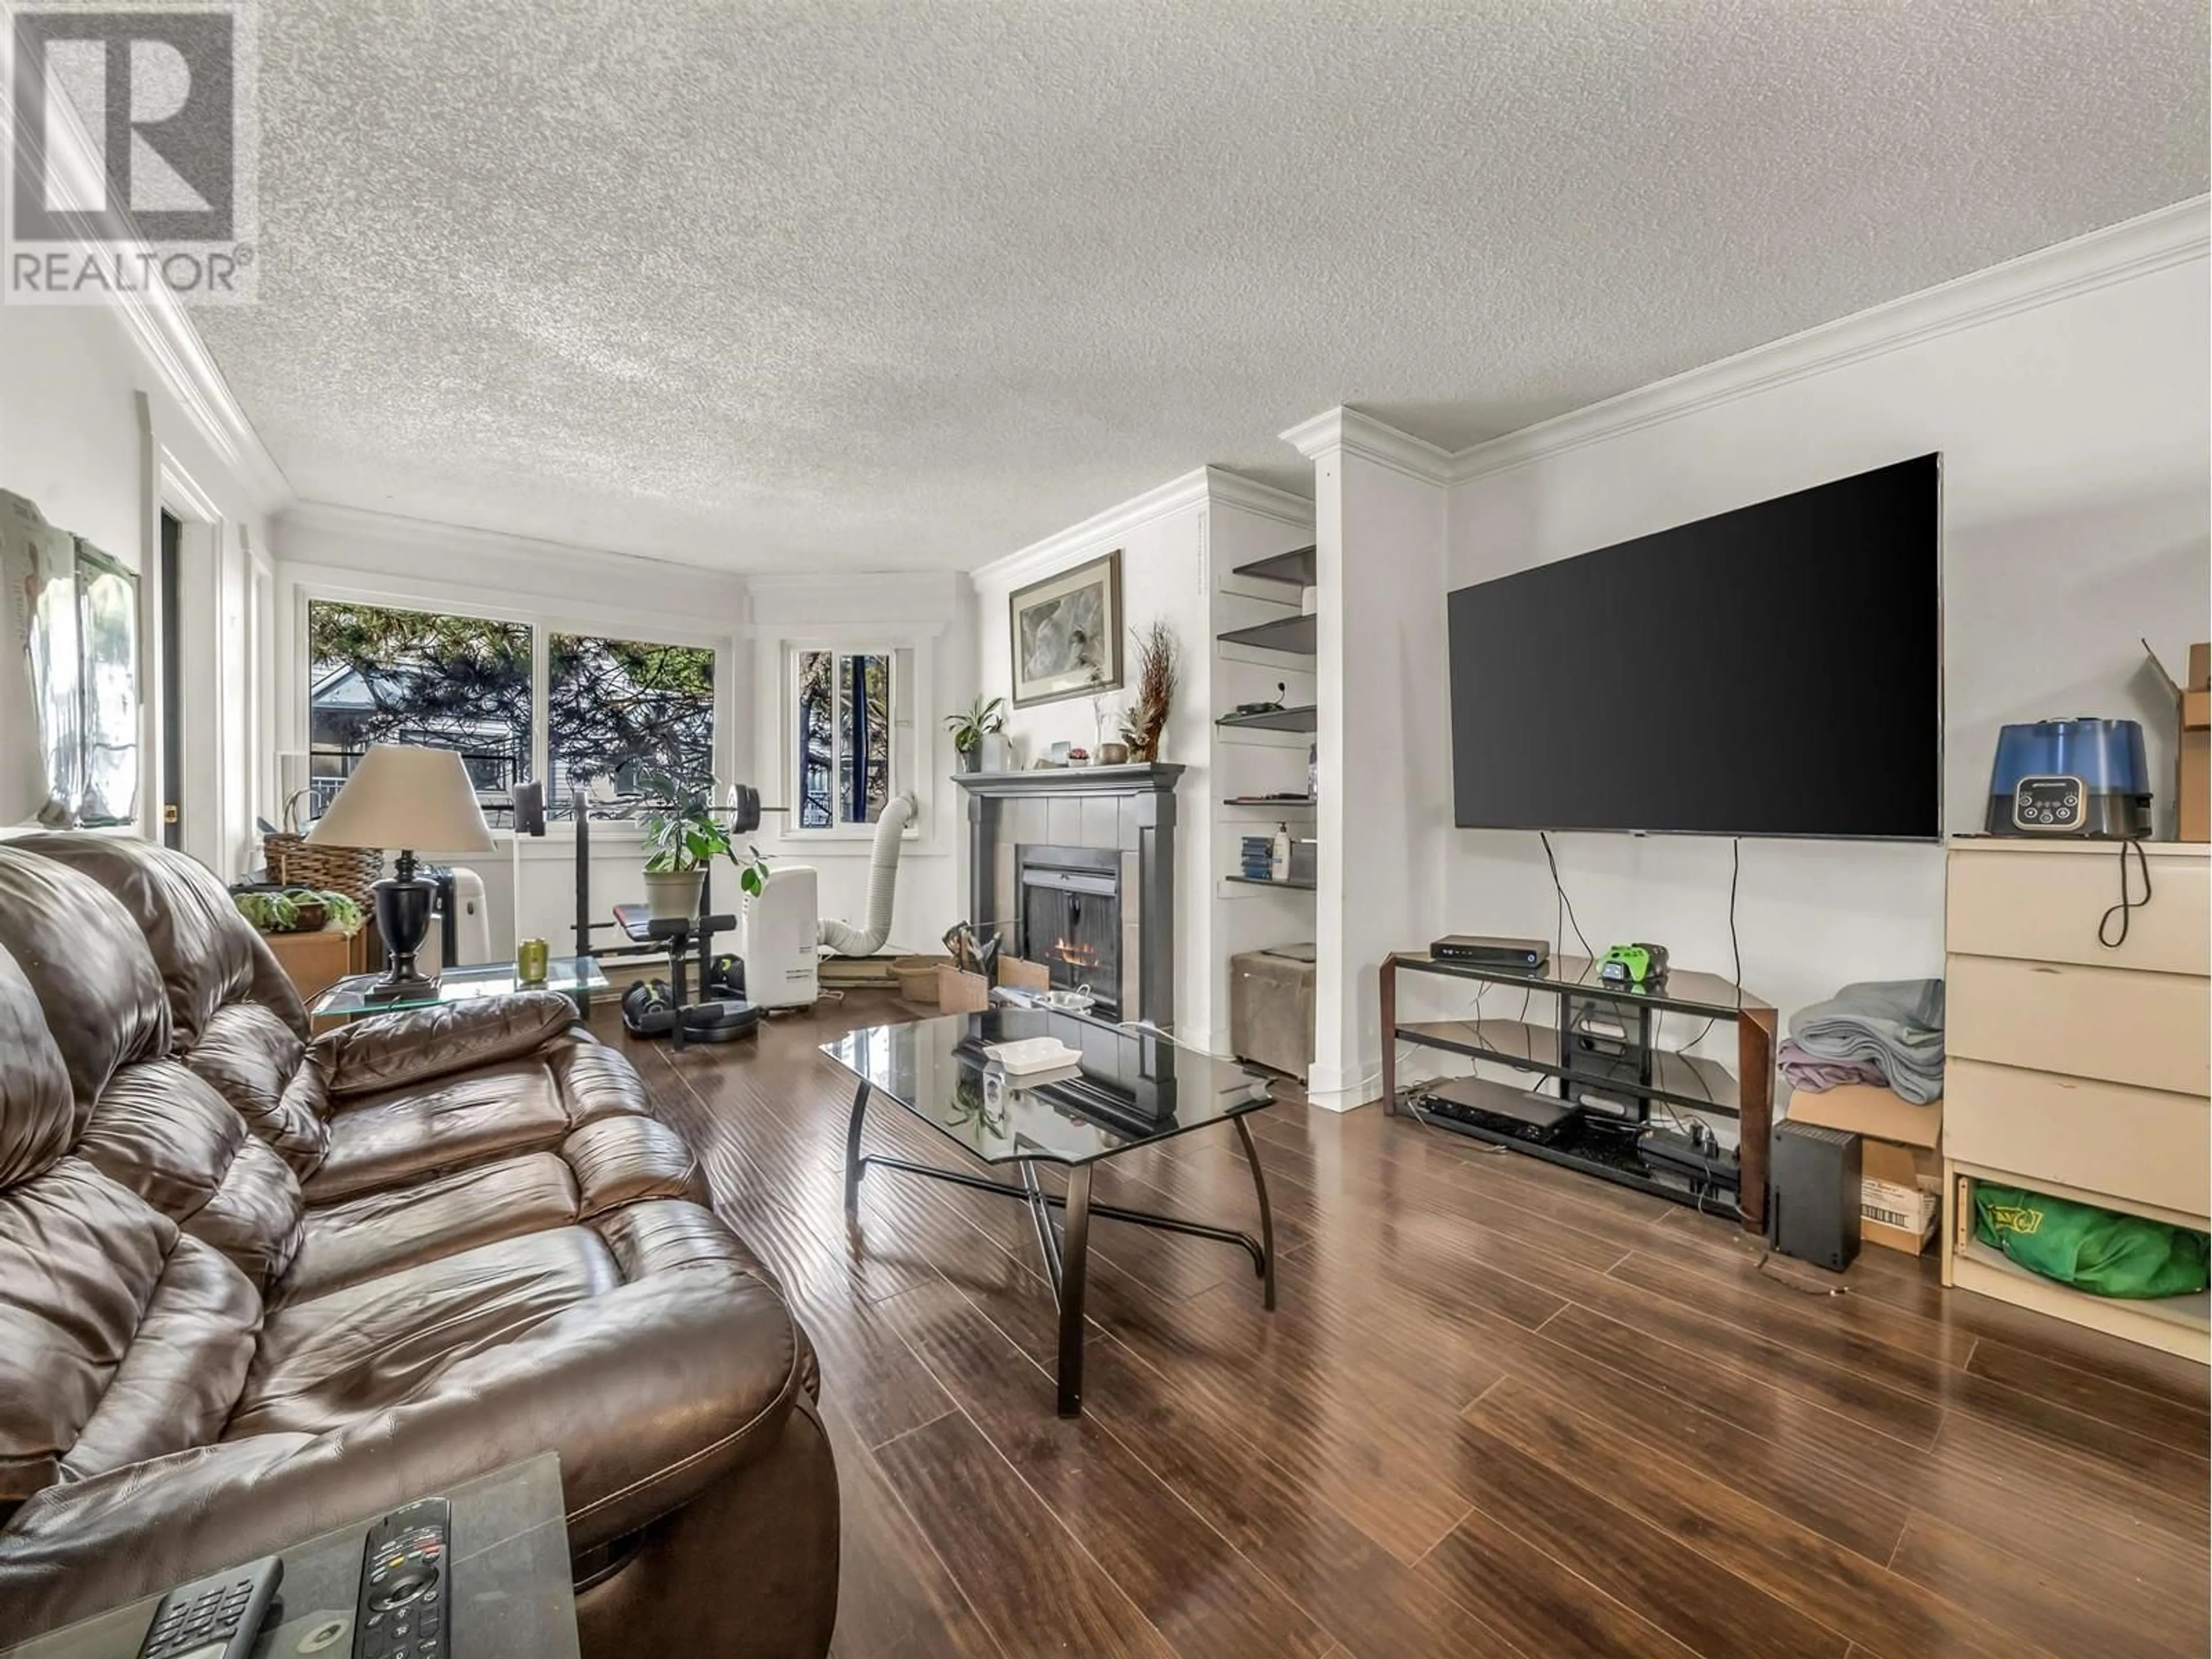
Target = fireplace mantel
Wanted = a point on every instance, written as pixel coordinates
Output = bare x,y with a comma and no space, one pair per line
1154,776
1128,809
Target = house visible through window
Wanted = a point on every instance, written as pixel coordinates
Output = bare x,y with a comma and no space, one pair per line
618,712
381,676
846,711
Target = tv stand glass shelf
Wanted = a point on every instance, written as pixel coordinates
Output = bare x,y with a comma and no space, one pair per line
1619,1063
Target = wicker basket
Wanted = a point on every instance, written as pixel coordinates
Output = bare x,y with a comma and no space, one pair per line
917,977
349,870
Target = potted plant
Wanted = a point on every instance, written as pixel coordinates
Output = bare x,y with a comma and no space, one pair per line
681,839
972,732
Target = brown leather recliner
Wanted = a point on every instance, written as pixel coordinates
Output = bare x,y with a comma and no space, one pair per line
252,1287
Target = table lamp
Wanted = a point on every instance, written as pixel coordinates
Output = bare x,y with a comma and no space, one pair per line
399,799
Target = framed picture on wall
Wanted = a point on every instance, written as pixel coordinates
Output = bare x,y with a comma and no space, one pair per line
107,653
1065,633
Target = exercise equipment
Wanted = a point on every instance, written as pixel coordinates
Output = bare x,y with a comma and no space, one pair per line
782,933
650,1009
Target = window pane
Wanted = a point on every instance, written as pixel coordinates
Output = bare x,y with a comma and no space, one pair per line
863,722
620,709
816,742
380,676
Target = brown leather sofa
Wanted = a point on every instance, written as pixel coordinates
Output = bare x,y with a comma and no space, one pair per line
253,1286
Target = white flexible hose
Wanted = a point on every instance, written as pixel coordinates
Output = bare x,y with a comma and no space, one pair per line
842,937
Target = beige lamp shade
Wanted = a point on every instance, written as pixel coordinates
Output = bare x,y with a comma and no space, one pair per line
402,797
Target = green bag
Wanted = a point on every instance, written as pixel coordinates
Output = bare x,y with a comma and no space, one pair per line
2100,1251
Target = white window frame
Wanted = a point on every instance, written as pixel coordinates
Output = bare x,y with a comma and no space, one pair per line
909,691
310,584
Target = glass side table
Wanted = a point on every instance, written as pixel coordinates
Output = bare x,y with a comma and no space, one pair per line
577,976
512,1597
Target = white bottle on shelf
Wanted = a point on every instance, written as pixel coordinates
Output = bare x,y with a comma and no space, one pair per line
1278,861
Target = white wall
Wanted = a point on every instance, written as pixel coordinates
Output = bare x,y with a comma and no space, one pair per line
330,551
2068,396
105,416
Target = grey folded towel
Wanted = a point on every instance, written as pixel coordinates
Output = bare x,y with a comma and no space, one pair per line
1896,1026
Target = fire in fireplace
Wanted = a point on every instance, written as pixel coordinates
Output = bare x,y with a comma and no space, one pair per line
1069,917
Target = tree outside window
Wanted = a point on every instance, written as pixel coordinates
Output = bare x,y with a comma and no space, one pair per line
617,709
377,675
846,709
621,710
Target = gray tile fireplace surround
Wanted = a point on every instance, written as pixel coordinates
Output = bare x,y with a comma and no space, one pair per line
1129,809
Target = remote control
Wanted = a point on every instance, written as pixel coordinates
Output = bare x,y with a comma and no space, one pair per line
217,1617
403,1584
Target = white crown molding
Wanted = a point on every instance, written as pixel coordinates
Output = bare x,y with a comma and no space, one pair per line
2134,247
1041,558
919,602
464,543
1228,489
163,333
1354,433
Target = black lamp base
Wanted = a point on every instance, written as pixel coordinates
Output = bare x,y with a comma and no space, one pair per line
403,905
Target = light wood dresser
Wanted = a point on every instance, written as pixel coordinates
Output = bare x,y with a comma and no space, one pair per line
2076,1069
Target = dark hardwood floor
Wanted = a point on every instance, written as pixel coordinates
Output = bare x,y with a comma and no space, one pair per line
1503,1410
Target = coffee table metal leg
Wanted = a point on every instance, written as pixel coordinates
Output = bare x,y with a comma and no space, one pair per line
1074,1254
1266,1218
854,1165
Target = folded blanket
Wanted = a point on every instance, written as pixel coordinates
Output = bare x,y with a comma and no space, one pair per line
1819,1076
1893,1026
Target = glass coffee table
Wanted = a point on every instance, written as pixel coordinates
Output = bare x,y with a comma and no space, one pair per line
348,998
1134,1087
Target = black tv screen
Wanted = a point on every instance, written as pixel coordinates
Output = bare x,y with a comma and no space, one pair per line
1775,670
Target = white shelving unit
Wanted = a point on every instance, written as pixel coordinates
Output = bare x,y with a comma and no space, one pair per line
1263,647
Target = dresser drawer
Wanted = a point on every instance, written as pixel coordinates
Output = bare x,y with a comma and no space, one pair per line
2145,1145
2147,1030
2043,904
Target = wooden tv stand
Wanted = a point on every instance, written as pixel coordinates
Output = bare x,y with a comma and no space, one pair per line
1548,1050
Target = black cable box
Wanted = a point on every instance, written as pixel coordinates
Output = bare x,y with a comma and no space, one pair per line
1490,951
1531,1116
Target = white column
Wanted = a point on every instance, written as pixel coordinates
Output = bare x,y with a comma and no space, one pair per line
1379,516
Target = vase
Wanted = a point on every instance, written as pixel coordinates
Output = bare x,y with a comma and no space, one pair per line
672,895
995,751
1113,754
967,760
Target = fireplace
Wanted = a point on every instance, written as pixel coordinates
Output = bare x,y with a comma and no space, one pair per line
1068,917
1079,861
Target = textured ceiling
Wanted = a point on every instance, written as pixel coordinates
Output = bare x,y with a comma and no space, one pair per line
874,285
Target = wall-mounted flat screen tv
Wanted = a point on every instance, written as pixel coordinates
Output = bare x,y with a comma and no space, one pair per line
1773,671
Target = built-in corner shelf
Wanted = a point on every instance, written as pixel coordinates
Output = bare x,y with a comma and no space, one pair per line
1298,565
1268,881
1304,718
1296,635
1271,802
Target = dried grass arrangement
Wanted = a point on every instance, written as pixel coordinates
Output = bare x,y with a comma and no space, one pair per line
1146,720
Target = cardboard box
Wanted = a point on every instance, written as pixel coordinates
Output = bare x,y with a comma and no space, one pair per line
1900,1195
1863,1109
2193,771
961,992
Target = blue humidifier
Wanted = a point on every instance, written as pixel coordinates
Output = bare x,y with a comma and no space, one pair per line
2080,777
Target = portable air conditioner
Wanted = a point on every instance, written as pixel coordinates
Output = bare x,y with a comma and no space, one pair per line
778,935
464,890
